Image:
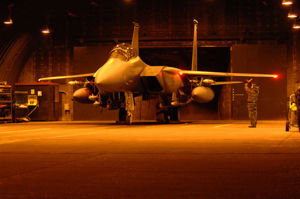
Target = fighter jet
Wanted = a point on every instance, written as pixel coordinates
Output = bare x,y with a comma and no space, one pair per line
125,76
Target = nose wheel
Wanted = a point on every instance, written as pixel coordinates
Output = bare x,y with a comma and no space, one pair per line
125,117
126,113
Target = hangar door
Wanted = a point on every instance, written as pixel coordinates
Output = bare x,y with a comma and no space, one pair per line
260,58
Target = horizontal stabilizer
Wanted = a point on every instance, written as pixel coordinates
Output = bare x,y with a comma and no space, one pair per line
66,77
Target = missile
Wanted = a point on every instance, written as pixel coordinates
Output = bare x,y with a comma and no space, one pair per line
75,83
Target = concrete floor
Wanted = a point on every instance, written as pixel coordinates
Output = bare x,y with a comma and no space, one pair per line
208,159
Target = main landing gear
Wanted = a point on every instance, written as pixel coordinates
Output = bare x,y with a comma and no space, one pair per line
125,117
169,115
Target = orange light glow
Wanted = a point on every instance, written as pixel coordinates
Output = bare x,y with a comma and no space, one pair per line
127,1
8,22
287,3
296,26
181,73
46,31
292,15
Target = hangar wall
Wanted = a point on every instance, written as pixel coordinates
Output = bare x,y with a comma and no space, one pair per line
265,57
49,60
261,58
252,58
256,58
14,56
293,70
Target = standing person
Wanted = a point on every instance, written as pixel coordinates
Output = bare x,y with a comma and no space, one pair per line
297,103
292,110
252,92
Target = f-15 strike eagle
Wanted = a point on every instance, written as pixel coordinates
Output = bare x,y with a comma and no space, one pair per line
125,76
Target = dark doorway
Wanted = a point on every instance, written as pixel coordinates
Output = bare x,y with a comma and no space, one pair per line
209,59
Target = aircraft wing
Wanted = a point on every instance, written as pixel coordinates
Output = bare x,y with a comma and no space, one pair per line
66,77
223,74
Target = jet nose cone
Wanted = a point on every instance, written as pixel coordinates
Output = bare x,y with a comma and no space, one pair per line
111,76
107,82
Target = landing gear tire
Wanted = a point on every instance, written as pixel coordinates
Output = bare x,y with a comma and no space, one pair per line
287,127
122,115
174,114
162,117
125,117
167,116
129,118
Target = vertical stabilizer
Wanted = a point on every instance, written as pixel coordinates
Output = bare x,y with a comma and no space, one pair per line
194,58
135,37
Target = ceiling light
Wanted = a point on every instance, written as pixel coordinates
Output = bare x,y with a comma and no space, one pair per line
296,26
8,22
292,15
46,31
287,2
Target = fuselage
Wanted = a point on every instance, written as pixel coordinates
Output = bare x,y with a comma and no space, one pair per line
117,75
124,71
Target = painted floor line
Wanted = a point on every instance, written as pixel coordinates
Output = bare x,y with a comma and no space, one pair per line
32,133
27,130
10,141
219,126
186,126
41,129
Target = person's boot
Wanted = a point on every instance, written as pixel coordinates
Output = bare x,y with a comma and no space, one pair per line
253,125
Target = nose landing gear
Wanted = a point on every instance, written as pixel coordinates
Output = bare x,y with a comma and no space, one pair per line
126,114
125,117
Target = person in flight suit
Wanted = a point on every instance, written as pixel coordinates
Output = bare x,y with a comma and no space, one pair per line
252,92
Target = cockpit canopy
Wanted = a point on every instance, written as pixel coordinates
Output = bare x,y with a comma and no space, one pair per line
123,51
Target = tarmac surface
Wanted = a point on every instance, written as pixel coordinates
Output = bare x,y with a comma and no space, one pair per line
207,159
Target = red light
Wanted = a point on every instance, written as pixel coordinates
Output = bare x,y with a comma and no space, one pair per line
276,76
181,73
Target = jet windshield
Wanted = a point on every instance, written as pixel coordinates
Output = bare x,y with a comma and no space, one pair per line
123,51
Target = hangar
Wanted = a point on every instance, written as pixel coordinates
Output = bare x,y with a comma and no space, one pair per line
253,36
54,147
